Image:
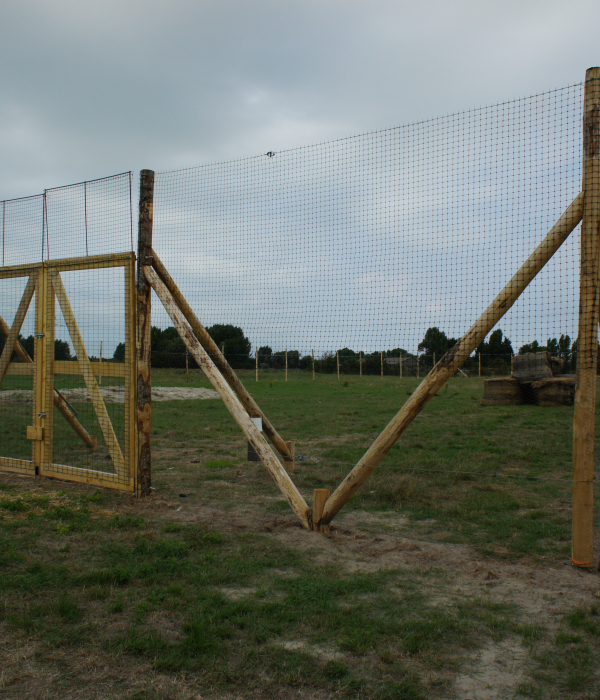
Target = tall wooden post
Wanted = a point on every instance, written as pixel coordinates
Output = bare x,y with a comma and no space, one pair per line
337,357
360,362
401,358
382,364
587,342
144,325
313,364
286,365
256,357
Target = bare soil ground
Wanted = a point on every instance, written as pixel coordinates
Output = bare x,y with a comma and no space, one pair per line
113,394
360,541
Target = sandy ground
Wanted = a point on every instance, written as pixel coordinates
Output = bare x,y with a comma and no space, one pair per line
112,394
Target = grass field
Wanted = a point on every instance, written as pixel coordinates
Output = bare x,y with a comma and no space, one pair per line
447,576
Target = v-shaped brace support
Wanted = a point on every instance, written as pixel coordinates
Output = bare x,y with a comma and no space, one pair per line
454,358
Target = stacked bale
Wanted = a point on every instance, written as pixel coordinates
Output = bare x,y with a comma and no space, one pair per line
536,378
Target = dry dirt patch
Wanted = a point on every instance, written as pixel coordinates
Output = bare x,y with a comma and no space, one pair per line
113,394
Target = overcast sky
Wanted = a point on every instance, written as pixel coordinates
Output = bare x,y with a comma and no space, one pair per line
91,88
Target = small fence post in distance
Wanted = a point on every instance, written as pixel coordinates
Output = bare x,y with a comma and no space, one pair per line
313,364
337,357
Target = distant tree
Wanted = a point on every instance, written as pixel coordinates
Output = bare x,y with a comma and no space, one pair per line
564,348
237,346
496,345
435,341
397,352
264,355
28,344
62,351
168,349
119,353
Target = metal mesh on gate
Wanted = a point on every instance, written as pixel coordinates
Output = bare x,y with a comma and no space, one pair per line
66,394
389,242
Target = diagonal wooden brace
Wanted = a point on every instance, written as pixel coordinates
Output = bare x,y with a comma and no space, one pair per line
454,358
90,440
262,447
13,335
88,375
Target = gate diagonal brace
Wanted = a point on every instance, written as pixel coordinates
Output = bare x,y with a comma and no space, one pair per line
90,441
231,401
219,359
13,334
88,375
454,358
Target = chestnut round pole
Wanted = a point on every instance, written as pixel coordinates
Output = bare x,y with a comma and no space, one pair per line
587,343
144,324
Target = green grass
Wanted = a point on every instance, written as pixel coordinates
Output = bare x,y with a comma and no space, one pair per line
247,610
494,477
243,610
68,449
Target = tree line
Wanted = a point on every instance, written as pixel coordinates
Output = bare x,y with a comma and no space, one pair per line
168,350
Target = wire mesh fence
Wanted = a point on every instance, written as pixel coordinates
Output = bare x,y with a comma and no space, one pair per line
389,242
66,362
364,256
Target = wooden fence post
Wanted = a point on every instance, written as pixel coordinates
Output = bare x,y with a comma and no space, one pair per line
144,325
587,343
382,364
401,358
313,364
337,357
256,356
320,497
360,362
286,365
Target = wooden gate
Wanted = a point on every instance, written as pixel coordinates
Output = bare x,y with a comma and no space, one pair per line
64,416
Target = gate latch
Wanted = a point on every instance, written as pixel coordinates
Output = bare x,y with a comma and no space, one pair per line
42,414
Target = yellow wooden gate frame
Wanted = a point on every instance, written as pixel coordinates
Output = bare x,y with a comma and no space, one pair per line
45,280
